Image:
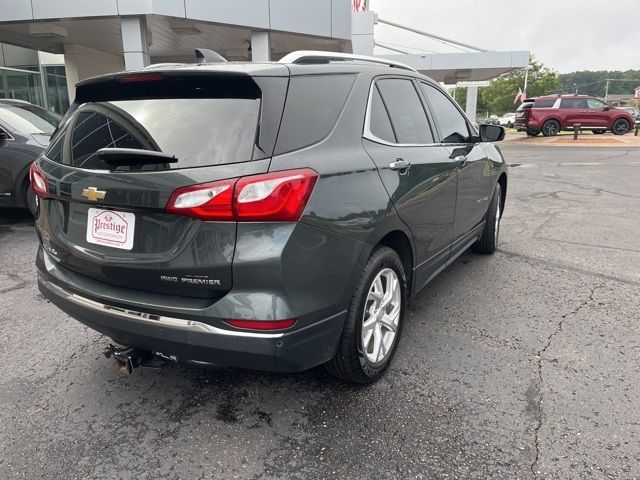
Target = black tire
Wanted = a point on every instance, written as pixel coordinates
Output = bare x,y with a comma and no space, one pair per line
620,127
488,241
533,133
509,125
350,362
599,132
550,128
29,198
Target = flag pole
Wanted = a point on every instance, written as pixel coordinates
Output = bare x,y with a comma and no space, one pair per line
526,80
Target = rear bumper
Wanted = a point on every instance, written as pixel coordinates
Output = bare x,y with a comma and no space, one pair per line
185,339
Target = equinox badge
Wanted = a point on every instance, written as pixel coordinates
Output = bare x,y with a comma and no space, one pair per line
93,194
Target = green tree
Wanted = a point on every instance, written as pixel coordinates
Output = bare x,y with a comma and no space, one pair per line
498,97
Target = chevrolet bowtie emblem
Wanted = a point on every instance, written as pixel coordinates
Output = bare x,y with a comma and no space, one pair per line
93,194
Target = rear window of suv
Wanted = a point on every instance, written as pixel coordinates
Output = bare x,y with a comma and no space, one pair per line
198,130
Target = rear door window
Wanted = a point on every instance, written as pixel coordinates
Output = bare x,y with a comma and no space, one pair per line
452,124
573,103
379,122
408,116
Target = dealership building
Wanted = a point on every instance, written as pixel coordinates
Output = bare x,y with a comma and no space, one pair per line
49,45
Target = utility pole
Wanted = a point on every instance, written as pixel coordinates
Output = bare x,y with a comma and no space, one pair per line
606,91
526,80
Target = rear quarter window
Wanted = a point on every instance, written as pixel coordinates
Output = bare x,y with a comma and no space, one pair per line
547,103
313,105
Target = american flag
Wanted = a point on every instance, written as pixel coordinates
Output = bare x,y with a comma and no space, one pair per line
359,5
521,96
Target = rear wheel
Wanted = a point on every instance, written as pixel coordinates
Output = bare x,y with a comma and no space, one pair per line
374,320
550,128
620,127
488,241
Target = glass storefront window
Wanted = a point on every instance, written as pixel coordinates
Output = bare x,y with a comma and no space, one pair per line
56,88
21,85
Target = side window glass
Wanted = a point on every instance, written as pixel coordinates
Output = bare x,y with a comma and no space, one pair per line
325,96
595,104
452,124
379,122
408,117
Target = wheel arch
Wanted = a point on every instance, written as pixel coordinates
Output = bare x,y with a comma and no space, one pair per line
398,241
622,117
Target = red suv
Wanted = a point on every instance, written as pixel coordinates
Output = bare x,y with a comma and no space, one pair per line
551,114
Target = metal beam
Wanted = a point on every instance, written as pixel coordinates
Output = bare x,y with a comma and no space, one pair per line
431,35
393,49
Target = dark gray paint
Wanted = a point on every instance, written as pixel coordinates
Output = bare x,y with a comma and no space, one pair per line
306,270
16,154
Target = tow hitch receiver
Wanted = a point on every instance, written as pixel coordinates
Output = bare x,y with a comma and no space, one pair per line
127,358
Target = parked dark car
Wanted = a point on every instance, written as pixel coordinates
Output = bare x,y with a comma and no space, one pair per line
552,114
24,134
635,113
268,216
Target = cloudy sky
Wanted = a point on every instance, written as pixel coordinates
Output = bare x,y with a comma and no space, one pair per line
603,31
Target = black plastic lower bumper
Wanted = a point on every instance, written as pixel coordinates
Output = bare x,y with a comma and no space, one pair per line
292,351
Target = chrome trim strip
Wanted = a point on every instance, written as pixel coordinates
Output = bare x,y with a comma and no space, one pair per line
150,318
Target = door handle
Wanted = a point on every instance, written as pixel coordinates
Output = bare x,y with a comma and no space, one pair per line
399,164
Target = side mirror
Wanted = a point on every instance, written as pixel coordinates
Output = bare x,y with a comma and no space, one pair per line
607,108
491,133
3,136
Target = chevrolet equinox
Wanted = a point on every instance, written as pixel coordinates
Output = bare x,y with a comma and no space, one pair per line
272,216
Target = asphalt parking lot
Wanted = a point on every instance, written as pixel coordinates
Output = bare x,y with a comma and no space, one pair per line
524,364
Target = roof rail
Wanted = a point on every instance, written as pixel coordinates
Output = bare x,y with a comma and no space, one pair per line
317,56
163,65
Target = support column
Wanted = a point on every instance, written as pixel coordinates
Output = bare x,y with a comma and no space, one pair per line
134,42
472,103
260,46
362,41
82,62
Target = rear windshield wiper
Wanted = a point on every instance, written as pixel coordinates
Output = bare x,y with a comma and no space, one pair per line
133,156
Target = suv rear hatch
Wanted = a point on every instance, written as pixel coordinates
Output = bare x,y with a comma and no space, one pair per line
104,214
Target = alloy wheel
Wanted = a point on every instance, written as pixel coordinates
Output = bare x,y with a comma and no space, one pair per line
381,316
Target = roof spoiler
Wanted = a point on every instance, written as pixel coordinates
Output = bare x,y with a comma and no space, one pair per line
204,55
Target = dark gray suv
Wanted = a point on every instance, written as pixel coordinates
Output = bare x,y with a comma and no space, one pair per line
24,134
268,216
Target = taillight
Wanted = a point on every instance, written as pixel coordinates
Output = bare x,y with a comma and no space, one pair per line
38,181
207,201
262,324
277,196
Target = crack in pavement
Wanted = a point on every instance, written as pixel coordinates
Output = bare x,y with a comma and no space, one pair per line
569,268
539,362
